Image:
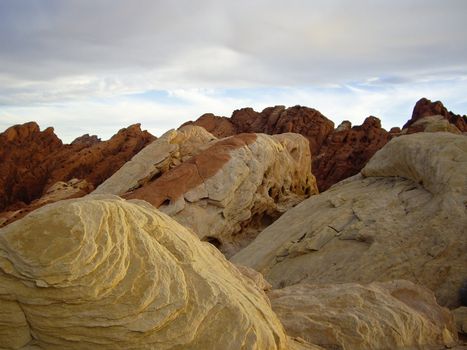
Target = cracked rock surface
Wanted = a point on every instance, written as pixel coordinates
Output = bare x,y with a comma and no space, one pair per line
104,273
388,315
403,217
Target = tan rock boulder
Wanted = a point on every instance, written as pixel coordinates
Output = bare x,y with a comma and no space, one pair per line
404,217
384,316
434,123
234,188
168,151
103,273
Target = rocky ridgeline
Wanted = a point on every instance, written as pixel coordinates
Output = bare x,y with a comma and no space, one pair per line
364,265
337,153
35,163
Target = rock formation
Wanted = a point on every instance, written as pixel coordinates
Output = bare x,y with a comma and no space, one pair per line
425,108
346,151
32,161
336,154
168,151
390,315
433,123
403,217
23,153
103,273
232,189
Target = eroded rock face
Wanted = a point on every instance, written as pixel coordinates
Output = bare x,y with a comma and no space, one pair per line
347,150
425,108
272,120
32,161
433,123
99,161
390,315
103,273
163,154
24,150
403,217
234,188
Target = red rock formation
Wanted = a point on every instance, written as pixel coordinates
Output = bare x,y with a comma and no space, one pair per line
272,120
24,150
337,154
99,161
424,108
86,140
347,150
32,160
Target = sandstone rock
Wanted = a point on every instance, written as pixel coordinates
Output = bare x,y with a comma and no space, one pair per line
103,273
434,123
23,167
220,127
86,140
168,151
460,315
99,161
32,161
346,151
425,108
391,315
404,217
272,120
234,188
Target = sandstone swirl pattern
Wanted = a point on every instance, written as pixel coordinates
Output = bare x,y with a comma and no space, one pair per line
104,273
404,217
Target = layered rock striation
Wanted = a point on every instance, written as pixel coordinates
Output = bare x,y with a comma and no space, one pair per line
104,273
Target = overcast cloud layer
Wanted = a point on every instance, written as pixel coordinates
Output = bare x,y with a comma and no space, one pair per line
96,66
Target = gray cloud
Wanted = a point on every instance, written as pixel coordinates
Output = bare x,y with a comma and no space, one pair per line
220,42
76,64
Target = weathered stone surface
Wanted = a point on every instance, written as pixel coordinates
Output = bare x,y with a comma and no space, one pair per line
404,218
103,273
425,108
99,161
234,188
163,154
23,157
434,123
346,151
272,120
460,315
32,161
61,190
391,315
86,140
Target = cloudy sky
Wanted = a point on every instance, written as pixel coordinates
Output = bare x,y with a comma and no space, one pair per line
95,66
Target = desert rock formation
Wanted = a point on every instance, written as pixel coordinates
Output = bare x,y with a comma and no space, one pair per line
32,161
346,151
389,315
160,156
272,120
336,154
425,108
403,217
234,188
103,273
